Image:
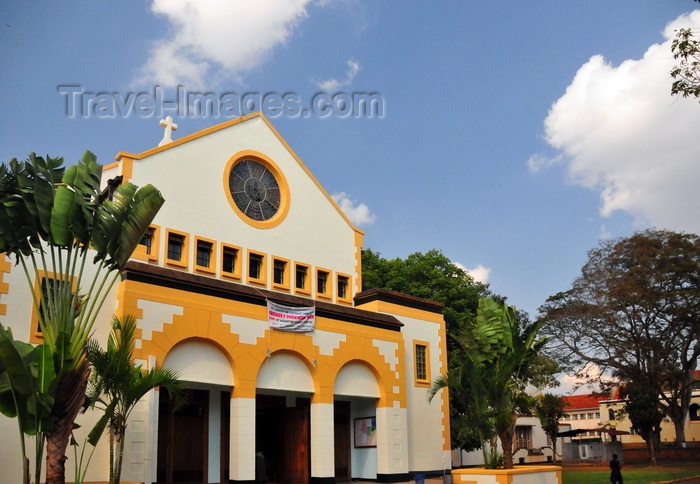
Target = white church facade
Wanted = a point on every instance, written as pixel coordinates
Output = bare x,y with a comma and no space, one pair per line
247,231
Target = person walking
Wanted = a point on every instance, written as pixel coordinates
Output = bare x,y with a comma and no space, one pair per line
615,470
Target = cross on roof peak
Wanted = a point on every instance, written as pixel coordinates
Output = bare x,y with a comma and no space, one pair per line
169,126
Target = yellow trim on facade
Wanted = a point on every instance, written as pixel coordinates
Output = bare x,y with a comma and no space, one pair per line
503,476
212,129
202,318
378,306
5,267
281,181
445,395
359,236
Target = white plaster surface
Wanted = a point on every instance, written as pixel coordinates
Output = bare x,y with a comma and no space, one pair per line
249,330
327,341
242,439
355,379
425,424
388,350
155,314
313,232
322,440
283,371
392,451
199,361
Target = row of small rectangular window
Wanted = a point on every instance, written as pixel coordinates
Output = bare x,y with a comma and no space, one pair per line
205,262
576,416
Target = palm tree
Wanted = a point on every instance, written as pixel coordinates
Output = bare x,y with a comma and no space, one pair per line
117,384
54,220
498,351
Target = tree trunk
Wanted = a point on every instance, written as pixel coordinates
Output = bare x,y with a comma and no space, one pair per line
507,445
651,446
69,400
680,432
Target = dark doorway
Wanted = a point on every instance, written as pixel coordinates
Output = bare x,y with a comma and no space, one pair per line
183,440
282,436
225,434
341,425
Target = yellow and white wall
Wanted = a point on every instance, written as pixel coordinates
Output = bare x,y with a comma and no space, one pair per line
211,325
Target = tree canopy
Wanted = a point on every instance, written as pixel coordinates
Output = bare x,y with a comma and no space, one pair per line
633,312
429,276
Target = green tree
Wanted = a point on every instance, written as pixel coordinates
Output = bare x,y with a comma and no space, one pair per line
643,409
550,409
498,352
686,75
54,220
429,276
633,312
117,384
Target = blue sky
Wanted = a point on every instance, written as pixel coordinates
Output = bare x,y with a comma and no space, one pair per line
515,134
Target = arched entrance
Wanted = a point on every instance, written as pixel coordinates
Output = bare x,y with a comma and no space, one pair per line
284,388
355,409
193,441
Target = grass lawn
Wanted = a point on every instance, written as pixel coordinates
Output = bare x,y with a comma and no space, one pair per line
632,474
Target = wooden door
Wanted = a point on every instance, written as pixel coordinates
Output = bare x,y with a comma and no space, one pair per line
183,440
295,445
341,425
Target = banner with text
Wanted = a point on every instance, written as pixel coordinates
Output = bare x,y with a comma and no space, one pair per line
287,318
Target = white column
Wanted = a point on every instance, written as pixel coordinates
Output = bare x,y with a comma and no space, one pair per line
322,440
242,439
392,441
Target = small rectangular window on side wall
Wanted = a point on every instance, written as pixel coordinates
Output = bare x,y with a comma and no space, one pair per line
421,363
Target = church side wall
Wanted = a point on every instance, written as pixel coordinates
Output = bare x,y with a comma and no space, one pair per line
427,427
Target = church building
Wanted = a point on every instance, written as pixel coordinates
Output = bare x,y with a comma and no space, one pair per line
248,284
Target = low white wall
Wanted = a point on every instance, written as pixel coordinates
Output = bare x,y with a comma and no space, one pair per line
519,475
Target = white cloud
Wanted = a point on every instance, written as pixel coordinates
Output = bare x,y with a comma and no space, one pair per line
479,273
229,37
358,214
622,133
332,85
